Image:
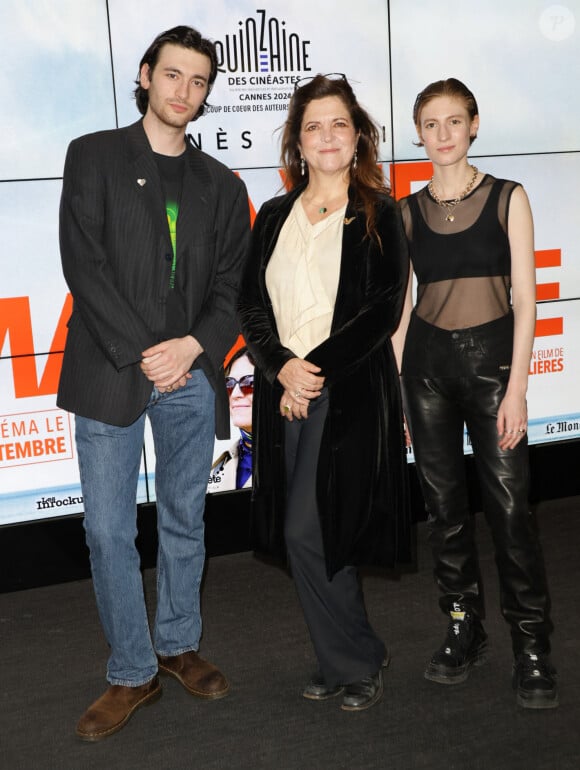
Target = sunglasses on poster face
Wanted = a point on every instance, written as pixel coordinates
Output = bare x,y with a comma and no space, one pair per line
245,383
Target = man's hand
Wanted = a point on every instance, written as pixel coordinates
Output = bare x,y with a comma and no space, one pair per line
167,364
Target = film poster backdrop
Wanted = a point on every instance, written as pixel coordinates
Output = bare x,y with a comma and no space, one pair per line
69,69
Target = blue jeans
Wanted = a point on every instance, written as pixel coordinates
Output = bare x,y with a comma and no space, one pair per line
183,427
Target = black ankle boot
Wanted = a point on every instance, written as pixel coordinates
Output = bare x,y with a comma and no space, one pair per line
464,646
534,680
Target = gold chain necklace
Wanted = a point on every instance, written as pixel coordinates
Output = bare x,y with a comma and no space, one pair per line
451,205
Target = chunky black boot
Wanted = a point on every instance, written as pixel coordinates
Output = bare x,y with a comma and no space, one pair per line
534,680
465,645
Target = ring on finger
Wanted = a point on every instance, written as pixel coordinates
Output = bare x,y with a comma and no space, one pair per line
297,394
286,407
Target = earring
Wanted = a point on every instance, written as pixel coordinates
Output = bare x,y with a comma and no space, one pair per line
355,159
302,166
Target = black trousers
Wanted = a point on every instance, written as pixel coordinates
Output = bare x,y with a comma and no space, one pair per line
346,646
436,409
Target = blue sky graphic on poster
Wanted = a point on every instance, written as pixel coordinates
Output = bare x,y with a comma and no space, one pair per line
520,59
55,80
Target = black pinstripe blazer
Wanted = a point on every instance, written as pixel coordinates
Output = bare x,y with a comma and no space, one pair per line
116,257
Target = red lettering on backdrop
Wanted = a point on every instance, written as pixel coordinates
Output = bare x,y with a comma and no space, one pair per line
548,327
16,324
403,174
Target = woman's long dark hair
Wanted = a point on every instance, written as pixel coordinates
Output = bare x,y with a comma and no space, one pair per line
366,180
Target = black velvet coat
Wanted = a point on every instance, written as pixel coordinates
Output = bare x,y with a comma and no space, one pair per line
361,474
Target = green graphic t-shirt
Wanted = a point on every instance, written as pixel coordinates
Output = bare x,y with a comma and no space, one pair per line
172,208
171,171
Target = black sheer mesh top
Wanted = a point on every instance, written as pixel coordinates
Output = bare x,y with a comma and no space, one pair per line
462,266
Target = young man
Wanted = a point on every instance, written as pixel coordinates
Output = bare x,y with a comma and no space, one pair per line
153,234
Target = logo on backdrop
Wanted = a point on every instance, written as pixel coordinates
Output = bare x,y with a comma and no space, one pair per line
262,60
263,44
547,360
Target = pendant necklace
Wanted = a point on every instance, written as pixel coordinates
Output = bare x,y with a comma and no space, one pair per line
322,208
450,206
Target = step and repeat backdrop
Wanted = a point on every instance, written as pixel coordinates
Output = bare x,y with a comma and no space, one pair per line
69,69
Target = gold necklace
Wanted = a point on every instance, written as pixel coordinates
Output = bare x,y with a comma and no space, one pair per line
451,205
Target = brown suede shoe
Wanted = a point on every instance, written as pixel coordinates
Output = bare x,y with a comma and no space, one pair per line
114,708
199,677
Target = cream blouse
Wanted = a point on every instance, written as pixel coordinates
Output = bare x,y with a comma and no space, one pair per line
302,278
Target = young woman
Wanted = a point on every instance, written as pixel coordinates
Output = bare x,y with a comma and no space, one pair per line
466,358
321,296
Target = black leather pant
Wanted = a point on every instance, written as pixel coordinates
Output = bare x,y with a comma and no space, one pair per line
436,410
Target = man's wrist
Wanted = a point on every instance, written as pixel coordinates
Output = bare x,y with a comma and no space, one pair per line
195,348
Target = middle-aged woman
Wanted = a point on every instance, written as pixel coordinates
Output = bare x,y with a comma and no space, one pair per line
321,295
466,358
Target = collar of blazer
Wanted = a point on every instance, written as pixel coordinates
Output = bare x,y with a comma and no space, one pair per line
196,191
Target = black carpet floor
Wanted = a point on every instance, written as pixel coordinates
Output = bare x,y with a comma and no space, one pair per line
53,656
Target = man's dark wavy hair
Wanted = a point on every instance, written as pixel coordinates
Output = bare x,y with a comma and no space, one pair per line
183,36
